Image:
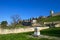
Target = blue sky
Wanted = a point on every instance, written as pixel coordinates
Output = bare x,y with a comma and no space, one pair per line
27,8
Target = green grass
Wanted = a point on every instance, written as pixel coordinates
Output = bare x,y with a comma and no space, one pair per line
51,32
20,36
25,36
50,19
54,18
14,27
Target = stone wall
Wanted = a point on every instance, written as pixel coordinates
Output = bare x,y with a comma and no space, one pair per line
57,23
19,30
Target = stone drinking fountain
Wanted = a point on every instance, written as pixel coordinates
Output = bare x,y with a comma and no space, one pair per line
36,28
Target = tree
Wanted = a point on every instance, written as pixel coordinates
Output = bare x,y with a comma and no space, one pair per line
16,19
4,24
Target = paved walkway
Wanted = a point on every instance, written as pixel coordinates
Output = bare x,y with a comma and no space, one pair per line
48,37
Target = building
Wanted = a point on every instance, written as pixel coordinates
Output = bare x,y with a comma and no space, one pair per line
54,14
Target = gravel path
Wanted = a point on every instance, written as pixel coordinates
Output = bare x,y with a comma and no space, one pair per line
49,37
45,36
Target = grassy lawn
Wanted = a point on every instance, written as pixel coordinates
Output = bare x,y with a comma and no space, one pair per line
25,36
49,19
54,18
14,27
51,32
20,36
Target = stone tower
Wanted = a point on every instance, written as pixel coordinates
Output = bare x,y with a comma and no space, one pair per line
51,13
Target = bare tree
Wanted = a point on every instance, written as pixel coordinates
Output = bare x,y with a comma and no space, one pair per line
15,19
